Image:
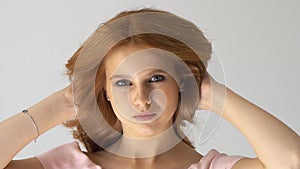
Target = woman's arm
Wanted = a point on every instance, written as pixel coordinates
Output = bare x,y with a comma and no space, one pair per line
18,131
275,144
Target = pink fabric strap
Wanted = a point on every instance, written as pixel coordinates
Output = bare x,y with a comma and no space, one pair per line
215,160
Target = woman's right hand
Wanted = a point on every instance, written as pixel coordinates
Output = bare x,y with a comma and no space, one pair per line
62,102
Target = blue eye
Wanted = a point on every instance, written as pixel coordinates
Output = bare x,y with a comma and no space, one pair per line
123,83
156,78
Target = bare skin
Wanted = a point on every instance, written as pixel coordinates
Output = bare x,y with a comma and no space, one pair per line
273,149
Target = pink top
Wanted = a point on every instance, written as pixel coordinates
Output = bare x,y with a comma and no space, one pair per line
69,156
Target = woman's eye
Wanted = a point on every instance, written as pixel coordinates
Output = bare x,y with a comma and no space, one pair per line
157,78
123,83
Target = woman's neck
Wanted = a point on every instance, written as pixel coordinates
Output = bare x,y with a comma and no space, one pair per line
162,151
145,147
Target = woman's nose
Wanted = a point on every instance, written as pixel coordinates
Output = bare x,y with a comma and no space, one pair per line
140,98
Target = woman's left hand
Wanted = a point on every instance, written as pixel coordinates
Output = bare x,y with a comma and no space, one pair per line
212,95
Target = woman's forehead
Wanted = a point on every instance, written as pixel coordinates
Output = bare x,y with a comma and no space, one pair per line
120,53
132,58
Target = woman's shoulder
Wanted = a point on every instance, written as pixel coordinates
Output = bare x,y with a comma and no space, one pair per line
67,156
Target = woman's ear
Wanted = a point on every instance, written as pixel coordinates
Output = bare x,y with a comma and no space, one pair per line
105,93
181,87
107,98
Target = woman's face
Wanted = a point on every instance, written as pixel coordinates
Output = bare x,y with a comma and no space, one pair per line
143,96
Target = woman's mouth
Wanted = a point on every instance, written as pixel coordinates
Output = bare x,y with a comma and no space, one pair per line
145,116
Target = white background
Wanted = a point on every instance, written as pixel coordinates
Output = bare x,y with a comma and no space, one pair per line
258,42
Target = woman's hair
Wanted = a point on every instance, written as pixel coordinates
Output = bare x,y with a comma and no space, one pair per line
154,40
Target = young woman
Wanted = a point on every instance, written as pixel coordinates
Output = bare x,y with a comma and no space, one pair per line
134,82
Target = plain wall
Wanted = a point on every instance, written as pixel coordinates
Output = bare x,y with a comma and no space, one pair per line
257,41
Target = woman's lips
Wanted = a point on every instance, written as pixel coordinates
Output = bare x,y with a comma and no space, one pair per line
145,116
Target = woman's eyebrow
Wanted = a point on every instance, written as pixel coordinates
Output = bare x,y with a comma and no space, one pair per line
156,71
118,76
128,77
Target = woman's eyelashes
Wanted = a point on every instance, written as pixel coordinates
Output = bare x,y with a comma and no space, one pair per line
157,78
125,82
